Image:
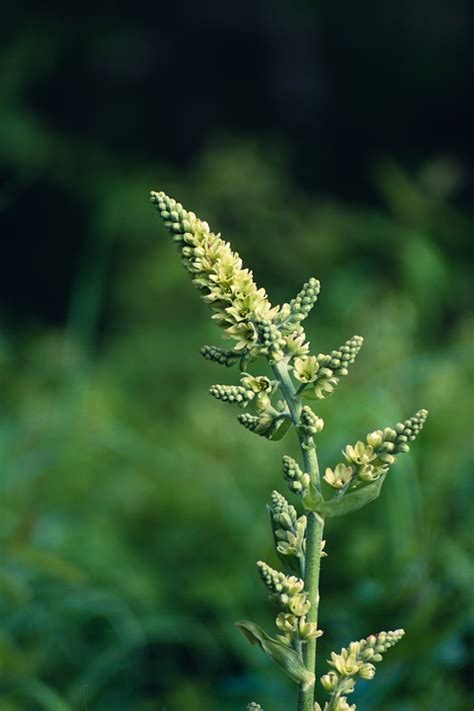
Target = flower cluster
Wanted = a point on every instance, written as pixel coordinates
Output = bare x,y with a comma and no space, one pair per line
293,627
368,461
287,592
324,370
357,661
298,481
217,271
252,706
289,529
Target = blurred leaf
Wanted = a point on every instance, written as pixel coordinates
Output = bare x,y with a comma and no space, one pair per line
282,654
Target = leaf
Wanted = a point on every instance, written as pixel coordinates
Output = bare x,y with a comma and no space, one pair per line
282,654
342,505
279,429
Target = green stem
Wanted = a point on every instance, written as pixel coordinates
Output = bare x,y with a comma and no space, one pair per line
314,530
314,536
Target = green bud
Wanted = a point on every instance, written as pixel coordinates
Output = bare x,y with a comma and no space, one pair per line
223,356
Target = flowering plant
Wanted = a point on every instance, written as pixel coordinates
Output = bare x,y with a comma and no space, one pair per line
270,407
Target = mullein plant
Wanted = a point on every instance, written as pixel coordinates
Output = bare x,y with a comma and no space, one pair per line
270,406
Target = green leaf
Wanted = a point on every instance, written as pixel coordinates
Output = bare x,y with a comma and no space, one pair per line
279,429
282,654
342,505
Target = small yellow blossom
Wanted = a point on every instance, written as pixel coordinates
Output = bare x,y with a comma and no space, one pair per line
306,369
338,477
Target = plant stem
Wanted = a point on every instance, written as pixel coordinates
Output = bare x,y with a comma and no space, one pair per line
314,535
314,530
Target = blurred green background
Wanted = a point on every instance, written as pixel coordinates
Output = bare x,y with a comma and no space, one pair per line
326,141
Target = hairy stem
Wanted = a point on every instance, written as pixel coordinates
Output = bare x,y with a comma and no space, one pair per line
314,530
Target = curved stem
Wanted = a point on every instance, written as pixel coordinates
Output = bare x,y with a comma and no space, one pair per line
314,530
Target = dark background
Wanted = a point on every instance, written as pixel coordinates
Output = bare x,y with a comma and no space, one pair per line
333,139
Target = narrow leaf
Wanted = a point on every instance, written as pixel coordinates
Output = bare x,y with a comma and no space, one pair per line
279,428
282,654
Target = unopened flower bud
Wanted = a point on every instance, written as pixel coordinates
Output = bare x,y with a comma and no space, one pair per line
329,681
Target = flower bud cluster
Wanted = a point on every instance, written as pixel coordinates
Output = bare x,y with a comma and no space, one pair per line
310,423
286,591
368,461
298,481
357,661
259,424
217,271
254,707
231,393
270,340
339,360
223,356
409,430
288,529
304,301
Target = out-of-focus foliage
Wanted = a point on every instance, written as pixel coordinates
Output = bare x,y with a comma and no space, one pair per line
132,504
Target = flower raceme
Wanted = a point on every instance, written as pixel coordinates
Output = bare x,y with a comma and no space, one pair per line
370,460
217,271
272,406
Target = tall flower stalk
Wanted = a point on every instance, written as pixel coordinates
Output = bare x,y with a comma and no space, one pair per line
270,407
